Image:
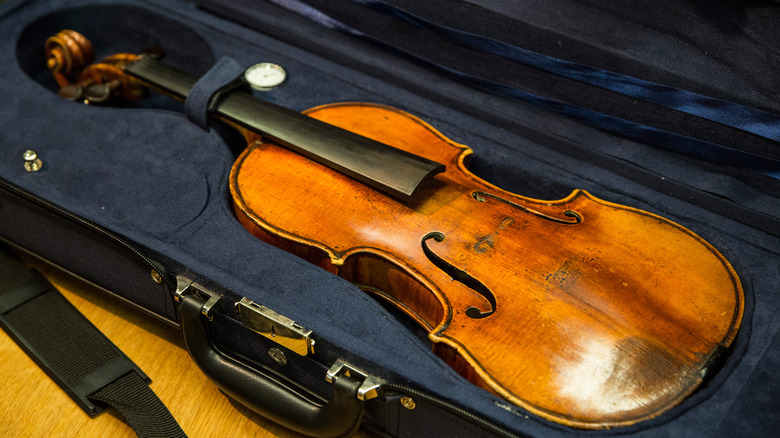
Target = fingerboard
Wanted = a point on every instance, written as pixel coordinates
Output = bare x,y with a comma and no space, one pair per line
382,167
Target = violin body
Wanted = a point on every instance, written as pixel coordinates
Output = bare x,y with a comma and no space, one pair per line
582,311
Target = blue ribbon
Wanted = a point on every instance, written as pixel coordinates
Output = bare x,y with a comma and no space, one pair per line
748,119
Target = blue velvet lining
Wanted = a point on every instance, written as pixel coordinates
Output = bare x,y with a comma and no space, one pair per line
146,172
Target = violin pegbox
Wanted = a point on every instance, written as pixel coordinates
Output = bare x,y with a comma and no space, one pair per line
102,80
69,57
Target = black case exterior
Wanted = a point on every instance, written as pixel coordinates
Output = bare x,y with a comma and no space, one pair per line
125,191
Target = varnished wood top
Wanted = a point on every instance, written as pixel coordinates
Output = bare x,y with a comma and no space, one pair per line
579,310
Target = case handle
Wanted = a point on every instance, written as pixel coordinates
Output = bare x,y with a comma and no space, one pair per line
265,394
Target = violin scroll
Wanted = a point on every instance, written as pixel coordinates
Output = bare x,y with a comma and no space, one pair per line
67,53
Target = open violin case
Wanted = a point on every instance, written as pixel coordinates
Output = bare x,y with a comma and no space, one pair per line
665,106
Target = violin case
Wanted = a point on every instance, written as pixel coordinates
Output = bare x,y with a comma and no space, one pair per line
616,98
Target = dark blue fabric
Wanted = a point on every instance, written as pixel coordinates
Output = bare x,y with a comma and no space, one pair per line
720,48
728,113
160,181
226,75
763,387
749,119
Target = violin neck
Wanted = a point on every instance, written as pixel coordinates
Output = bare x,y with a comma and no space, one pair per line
382,167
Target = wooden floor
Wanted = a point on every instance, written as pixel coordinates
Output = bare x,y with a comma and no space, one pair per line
31,405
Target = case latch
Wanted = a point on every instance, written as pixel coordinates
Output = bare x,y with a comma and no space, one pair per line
186,286
368,389
278,328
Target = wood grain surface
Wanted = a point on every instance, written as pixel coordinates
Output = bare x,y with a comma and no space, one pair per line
579,310
32,405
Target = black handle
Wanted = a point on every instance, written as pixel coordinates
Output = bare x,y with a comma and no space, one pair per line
264,394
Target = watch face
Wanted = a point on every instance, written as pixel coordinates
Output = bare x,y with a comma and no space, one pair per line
265,76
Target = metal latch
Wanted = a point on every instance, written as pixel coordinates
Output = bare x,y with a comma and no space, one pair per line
371,384
186,286
278,328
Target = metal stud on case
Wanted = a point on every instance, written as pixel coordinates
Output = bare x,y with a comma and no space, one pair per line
31,161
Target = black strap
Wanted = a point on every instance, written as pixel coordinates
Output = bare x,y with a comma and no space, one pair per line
75,354
140,407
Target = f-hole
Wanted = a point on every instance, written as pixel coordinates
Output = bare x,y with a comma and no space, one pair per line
460,276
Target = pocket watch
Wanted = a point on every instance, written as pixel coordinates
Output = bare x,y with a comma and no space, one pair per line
265,76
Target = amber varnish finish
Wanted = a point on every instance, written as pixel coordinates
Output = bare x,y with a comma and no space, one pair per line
587,313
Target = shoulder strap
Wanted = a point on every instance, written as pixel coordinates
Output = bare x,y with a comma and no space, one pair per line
75,354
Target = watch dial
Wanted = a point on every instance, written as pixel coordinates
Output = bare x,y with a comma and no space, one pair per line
265,75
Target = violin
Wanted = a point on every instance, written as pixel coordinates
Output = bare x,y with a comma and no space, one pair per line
581,311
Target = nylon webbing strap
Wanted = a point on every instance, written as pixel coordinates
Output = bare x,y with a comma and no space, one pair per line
75,354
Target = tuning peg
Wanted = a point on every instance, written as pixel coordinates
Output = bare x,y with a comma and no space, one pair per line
72,92
101,93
